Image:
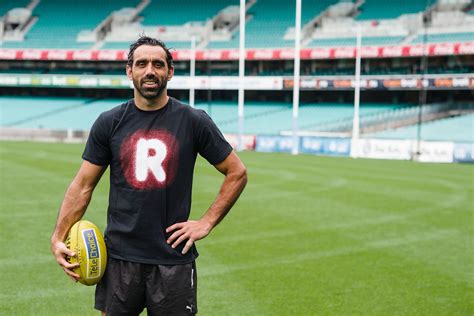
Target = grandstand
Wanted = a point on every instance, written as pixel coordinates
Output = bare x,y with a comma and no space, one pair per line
163,12
445,38
383,10
113,24
61,64
262,118
51,25
54,113
458,128
6,6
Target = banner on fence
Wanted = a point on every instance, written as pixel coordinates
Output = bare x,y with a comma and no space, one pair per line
249,141
382,149
463,152
325,146
274,144
435,151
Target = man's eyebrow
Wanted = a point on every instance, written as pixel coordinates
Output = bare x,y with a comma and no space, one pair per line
153,60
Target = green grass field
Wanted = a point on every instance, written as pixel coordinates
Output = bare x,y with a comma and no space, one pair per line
310,236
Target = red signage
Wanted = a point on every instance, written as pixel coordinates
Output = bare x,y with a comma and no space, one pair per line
442,49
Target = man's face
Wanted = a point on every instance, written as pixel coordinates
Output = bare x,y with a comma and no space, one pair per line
149,71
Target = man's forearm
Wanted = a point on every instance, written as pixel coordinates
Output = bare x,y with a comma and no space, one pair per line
233,185
72,209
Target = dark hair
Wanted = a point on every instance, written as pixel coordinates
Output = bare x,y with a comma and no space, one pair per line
145,40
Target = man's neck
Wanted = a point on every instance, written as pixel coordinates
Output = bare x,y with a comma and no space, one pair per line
151,104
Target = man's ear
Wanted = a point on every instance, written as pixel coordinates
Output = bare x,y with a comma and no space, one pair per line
128,70
170,73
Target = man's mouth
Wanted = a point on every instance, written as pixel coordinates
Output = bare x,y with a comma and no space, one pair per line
150,83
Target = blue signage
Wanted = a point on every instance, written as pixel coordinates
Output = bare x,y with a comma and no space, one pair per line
325,146
463,152
274,144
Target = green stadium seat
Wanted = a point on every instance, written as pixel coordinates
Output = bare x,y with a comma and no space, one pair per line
366,41
269,22
444,38
59,22
460,129
164,12
6,5
378,10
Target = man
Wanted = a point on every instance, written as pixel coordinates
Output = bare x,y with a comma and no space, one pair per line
150,143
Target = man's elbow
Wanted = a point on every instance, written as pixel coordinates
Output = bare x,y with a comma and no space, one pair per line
241,175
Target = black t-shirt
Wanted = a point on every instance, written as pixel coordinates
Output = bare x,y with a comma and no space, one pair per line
151,156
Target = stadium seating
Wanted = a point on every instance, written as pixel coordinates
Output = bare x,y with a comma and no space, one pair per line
54,29
274,117
269,22
233,43
52,113
6,6
271,18
377,10
124,45
366,41
445,37
460,128
31,112
266,118
116,45
312,8
166,12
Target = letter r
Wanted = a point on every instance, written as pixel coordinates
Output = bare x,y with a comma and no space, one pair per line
150,155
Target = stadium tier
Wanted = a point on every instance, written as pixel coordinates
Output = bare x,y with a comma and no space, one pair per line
260,118
6,5
270,23
166,12
376,40
459,128
266,26
446,37
124,45
60,22
313,8
51,112
378,10
268,118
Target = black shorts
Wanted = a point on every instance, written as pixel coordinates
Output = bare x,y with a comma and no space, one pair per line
128,287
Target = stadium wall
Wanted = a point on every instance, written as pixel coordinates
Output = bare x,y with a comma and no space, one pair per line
445,152
440,152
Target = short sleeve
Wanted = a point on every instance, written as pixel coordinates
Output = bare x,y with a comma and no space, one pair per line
97,150
211,143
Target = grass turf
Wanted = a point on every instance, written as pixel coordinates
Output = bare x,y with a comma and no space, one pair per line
310,236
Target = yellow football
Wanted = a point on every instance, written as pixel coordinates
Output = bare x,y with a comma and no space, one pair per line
86,240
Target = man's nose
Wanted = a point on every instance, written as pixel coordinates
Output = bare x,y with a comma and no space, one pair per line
149,69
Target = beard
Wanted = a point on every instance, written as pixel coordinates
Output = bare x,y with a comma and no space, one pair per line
150,92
